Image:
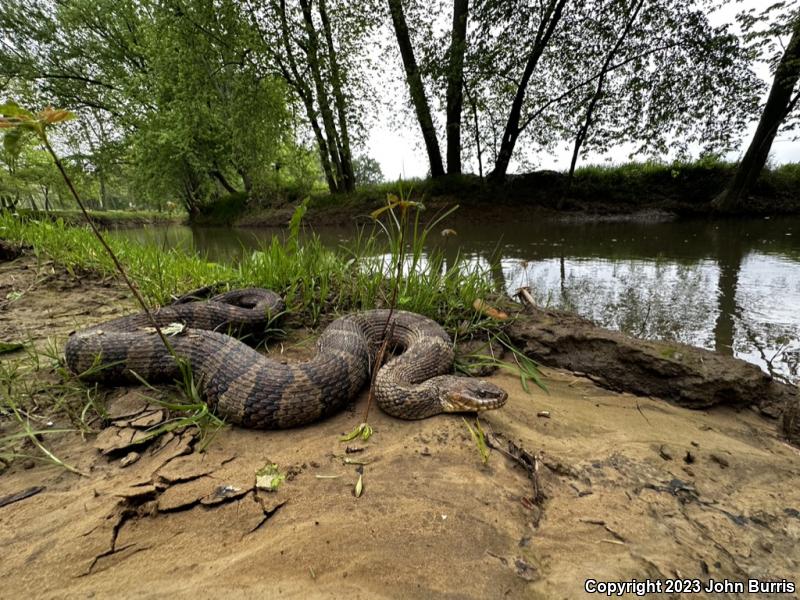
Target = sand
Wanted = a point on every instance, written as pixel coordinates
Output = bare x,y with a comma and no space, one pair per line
633,488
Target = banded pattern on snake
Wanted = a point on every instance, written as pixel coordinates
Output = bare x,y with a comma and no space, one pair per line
252,390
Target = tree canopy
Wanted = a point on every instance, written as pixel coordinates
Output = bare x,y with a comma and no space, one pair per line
193,100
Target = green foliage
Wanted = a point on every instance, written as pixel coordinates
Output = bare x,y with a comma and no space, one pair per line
479,437
172,98
367,171
315,280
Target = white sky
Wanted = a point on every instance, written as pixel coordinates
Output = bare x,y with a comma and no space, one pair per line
401,153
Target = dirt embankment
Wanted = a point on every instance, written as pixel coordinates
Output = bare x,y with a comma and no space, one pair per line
633,488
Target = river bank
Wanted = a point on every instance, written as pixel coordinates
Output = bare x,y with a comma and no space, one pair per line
628,487
107,219
634,190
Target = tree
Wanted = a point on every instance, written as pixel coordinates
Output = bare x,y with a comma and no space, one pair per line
367,171
317,48
173,90
455,85
783,98
583,131
600,73
544,32
416,88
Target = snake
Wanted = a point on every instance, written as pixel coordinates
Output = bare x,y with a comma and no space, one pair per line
251,389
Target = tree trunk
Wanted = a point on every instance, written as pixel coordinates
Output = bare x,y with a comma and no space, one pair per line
416,88
338,95
598,92
455,84
312,52
547,26
191,192
478,149
247,181
293,78
103,189
779,104
217,174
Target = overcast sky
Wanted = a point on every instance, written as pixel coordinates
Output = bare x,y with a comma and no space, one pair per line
401,154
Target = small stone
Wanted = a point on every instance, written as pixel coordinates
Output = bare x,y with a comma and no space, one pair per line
545,414
425,451
665,453
129,459
148,419
525,570
720,460
129,405
767,546
28,464
689,458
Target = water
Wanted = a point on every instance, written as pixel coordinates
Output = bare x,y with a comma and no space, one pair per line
732,286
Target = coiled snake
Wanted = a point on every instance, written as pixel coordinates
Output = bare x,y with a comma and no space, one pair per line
253,390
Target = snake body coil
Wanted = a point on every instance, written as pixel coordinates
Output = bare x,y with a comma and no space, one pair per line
253,390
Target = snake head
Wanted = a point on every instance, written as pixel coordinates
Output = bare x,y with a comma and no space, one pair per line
465,394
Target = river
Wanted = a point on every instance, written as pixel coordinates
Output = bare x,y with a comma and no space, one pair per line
731,286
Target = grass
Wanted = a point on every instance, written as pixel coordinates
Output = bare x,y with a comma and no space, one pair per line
107,218
314,280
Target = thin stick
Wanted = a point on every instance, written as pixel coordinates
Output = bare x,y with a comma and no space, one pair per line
385,338
376,368
108,249
525,295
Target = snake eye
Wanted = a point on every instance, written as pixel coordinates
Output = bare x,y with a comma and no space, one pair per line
482,393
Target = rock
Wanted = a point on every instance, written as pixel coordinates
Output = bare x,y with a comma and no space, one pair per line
545,414
129,459
129,405
665,453
690,377
117,439
790,422
720,460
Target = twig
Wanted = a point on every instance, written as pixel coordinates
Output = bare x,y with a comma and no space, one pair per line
524,294
376,367
134,289
392,303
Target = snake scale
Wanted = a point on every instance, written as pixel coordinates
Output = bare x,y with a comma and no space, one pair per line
252,390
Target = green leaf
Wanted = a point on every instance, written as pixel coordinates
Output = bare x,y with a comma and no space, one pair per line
12,141
363,430
12,109
479,437
10,346
269,478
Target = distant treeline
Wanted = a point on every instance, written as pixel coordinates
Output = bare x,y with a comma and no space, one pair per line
187,103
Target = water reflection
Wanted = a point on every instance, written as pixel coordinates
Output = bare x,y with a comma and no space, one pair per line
731,286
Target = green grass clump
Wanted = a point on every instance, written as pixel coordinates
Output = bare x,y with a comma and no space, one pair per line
314,279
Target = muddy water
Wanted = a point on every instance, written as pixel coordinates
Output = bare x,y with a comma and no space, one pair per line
733,286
